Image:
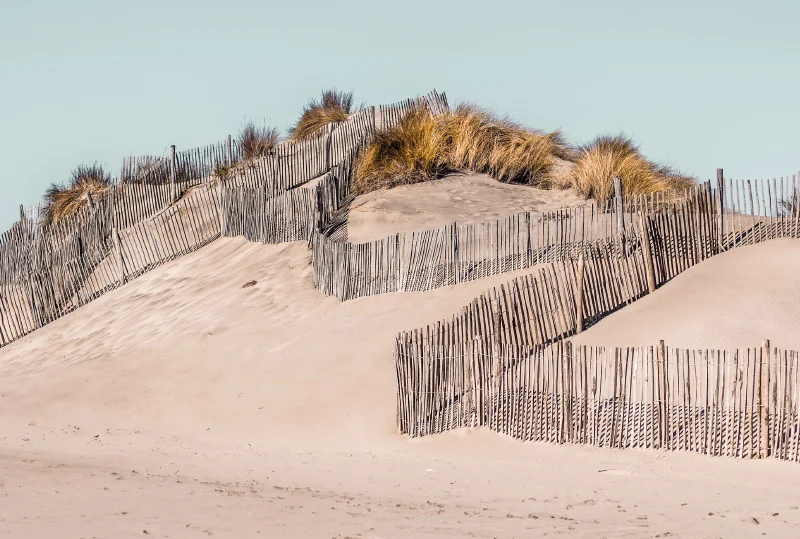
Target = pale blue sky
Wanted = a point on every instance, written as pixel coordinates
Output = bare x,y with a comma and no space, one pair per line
698,84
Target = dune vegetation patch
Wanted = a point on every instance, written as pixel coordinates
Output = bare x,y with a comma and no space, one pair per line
608,157
257,141
334,106
63,200
424,147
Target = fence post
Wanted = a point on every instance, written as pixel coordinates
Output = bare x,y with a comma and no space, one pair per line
763,401
496,342
579,295
661,357
21,212
647,253
221,205
720,211
173,170
118,253
328,140
566,393
619,209
230,151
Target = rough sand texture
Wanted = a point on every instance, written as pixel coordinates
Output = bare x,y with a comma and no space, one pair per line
734,300
187,406
462,198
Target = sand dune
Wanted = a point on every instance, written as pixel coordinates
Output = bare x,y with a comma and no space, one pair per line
736,299
188,406
462,198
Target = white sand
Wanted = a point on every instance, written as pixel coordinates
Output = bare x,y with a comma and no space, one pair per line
187,406
734,300
461,198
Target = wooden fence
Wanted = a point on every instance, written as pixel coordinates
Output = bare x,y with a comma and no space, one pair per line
553,302
741,403
501,362
389,116
266,199
455,253
47,272
679,229
161,209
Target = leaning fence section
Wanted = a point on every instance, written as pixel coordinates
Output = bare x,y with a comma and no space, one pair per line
554,301
47,271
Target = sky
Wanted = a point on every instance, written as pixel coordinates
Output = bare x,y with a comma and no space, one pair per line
699,85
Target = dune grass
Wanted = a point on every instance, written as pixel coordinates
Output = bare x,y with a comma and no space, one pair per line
609,157
424,147
791,207
63,200
333,106
257,141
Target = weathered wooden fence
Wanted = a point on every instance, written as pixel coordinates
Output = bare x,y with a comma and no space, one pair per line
266,199
48,271
551,303
741,403
163,208
455,253
679,230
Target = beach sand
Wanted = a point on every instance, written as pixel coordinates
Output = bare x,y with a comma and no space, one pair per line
186,405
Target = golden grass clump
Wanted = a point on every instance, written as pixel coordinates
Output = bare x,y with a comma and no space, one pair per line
334,106
609,157
414,151
63,200
257,141
424,147
480,142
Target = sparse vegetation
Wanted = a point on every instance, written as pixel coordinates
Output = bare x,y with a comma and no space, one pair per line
63,200
414,151
608,157
423,147
257,141
333,106
791,206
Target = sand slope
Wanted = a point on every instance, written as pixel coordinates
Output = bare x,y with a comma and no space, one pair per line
462,198
188,406
736,299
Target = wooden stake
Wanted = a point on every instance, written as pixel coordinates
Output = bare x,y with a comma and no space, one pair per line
230,151
647,253
662,395
720,211
173,173
619,208
579,295
118,251
763,401
566,394
222,207
328,141
496,342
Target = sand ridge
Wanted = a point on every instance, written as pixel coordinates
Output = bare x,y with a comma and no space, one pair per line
461,198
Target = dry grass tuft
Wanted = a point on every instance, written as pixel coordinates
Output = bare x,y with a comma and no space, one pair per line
423,147
791,207
257,141
609,157
414,151
64,200
334,106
